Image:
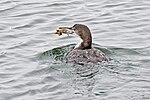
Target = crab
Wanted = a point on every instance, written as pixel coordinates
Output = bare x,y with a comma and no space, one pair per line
63,30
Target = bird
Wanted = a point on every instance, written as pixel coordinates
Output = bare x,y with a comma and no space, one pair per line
84,53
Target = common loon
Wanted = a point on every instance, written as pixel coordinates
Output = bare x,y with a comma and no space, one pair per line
84,53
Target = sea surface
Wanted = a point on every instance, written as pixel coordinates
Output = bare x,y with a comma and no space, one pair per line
32,65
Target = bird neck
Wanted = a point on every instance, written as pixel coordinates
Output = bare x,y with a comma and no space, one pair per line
86,37
84,45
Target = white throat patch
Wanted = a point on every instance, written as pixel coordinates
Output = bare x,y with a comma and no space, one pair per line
77,45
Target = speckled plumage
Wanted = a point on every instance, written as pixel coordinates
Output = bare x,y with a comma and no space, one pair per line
87,56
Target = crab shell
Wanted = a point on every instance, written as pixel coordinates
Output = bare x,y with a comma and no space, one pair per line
60,31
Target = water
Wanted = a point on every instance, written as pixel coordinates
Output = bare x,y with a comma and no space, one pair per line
31,55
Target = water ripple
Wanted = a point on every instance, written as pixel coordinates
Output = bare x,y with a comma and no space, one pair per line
32,68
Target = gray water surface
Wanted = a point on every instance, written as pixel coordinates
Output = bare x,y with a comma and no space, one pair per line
31,55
